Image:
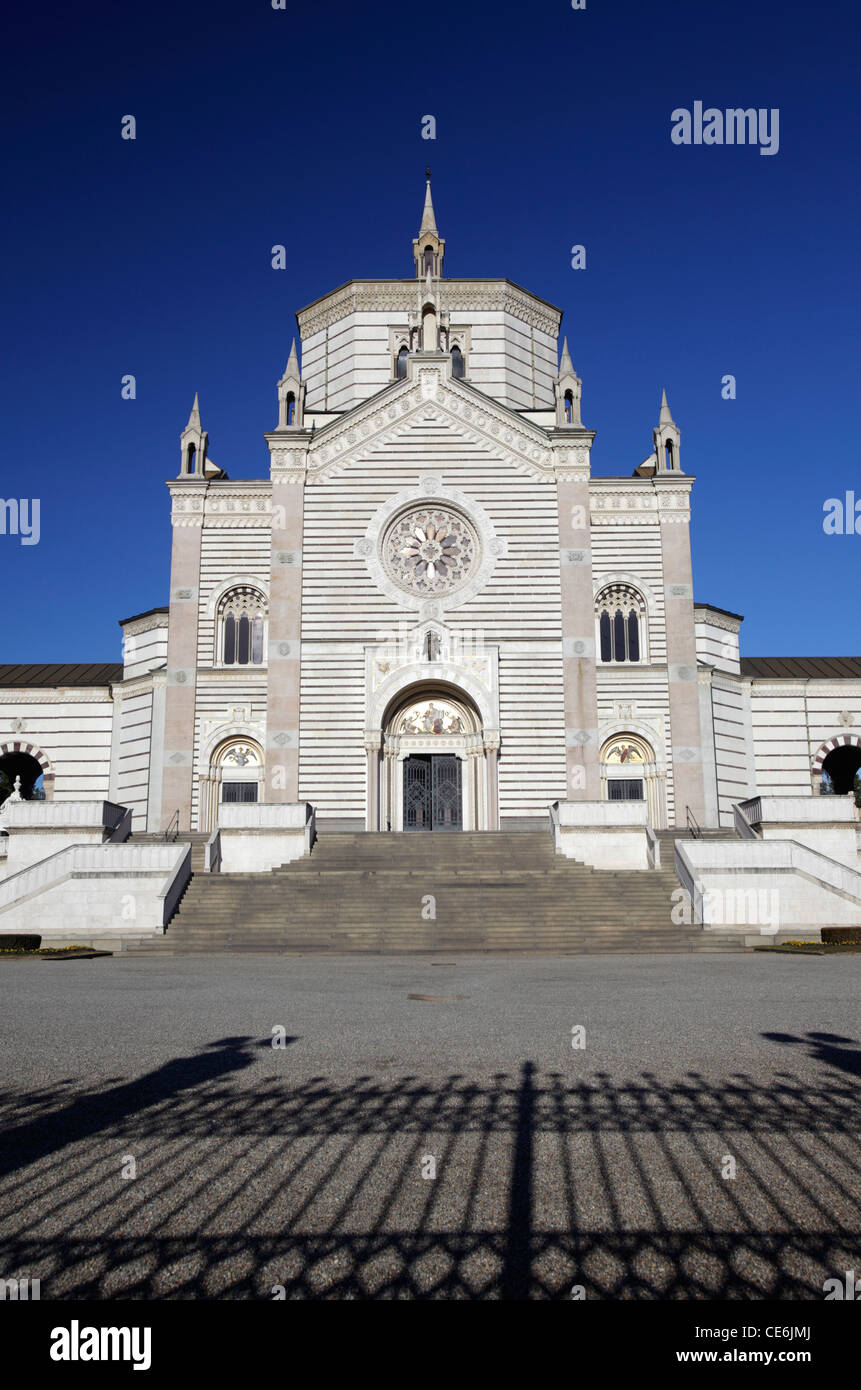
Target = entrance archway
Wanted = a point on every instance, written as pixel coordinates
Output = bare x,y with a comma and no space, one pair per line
432,767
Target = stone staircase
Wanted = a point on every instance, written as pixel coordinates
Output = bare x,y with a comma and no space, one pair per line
501,891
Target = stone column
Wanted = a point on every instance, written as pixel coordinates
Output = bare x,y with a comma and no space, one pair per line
491,746
289,453
687,758
187,514
571,450
372,751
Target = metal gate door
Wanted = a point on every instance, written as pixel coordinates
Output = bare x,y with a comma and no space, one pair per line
445,792
432,792
417,794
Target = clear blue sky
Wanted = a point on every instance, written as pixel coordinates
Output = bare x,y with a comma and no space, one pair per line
257,126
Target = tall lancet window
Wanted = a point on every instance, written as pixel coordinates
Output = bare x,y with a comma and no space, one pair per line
229,639
569,407
621,618
670,455
401,365
456,362
428,260
291,409
241,627
190,457
429,340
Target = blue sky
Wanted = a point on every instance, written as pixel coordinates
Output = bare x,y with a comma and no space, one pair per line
303,127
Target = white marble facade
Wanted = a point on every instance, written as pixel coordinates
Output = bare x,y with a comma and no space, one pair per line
429,534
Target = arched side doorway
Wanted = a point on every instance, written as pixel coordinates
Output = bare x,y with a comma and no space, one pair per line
630,772
837,767
236,773
19,759
432,768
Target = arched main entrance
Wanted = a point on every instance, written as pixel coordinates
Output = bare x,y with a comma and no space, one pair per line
435,769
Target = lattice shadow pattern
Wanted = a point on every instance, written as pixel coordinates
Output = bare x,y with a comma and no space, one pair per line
248,1181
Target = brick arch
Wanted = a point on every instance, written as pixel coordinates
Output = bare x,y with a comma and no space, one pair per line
839,741
12,746
20,746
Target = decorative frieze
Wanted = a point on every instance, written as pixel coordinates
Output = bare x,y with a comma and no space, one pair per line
399,297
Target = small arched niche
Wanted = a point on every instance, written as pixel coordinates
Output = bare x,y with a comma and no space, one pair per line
235,774
630,772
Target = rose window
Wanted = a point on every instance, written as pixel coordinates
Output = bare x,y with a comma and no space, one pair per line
430,550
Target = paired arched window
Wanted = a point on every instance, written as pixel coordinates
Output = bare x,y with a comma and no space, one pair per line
621,613
242,623
457,368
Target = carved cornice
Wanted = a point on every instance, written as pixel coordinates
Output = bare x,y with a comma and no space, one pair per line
186,509
571,461
138,626
288,458
631,505
57,695
456,296
704,614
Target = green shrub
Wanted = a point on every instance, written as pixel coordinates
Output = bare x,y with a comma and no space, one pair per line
10,942
840,934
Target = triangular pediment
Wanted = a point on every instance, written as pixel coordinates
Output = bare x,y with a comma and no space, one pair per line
430,408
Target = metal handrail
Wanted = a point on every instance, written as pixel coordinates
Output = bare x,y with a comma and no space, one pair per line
172,832
690,820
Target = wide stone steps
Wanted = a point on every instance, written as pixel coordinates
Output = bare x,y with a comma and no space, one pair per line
504,891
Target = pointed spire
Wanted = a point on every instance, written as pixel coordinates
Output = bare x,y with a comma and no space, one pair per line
667,438
428,246
292,361
566,365
194,417
428,216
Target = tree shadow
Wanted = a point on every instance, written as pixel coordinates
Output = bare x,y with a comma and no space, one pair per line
829,1048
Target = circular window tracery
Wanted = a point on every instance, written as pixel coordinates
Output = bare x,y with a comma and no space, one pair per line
430,550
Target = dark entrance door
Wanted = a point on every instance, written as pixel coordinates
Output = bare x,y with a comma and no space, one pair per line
432,792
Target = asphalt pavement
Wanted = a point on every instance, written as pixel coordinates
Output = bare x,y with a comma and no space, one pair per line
632,1127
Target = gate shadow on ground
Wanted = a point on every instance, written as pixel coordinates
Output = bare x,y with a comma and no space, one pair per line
247,1182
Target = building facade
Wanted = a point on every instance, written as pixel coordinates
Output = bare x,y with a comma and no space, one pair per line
430,614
